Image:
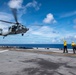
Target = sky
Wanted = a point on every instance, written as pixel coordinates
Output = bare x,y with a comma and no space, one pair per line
49,21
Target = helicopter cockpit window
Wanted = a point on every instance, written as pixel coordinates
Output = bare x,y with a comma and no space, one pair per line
14,28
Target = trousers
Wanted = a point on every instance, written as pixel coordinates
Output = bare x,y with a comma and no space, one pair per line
65,49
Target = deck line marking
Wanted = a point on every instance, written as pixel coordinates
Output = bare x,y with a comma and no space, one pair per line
3,51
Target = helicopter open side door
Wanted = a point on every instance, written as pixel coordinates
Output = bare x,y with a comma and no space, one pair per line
0,31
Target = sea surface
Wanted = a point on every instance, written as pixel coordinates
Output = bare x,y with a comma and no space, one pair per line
38,45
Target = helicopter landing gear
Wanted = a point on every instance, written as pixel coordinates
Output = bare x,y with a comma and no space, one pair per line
22,34
4,37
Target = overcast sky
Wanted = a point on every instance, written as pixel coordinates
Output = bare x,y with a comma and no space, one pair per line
57,20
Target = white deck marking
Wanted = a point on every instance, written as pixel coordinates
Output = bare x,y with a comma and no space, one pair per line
3,51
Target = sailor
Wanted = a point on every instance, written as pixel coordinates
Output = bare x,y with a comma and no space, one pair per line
65,47
73,46
14,28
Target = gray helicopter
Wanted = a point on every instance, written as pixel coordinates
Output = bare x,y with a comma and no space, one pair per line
16,28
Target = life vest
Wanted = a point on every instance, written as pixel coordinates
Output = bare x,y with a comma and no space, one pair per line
65,43
73,44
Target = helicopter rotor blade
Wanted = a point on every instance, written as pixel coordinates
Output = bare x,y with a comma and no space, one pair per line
7,22
14,11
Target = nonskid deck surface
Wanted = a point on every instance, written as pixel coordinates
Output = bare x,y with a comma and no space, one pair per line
51,51
36,62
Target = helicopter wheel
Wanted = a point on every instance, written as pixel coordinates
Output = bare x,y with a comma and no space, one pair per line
3,37
22,34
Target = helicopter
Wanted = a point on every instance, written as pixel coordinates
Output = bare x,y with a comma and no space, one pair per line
16,28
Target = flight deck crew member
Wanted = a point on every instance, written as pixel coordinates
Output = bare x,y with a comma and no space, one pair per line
73,46
65,47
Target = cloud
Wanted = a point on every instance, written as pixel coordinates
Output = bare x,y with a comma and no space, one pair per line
3,26
74,26
74,22
69,37
45,34
23,8
44,31
18,4
49,19
33,4
53,40
5,17
51,35
15,3
69,14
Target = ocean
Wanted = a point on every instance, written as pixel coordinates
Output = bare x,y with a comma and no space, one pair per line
38,45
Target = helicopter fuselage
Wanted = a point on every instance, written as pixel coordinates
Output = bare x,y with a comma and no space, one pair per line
17,28
20,29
